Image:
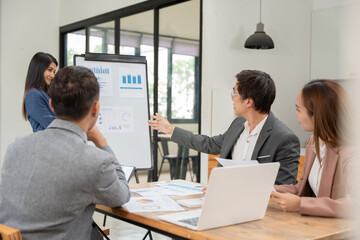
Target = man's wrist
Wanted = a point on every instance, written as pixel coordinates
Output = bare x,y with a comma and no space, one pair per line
171,129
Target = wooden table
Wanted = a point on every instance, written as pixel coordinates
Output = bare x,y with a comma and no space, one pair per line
275,225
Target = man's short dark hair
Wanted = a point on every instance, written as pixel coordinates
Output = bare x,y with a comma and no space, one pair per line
259,86
73,91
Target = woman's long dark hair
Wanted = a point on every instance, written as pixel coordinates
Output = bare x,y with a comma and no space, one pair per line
330,105
35,75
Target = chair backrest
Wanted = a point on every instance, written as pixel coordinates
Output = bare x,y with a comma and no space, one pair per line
186,153
164,146
212,163
180,152
9,233
300,167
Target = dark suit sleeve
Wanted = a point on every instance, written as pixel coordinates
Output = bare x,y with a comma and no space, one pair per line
205,144
288,154
111,189
201,143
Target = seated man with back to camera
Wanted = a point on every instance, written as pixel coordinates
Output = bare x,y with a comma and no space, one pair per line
256,134
52,179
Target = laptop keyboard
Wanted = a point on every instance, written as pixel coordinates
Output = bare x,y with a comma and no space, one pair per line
190,221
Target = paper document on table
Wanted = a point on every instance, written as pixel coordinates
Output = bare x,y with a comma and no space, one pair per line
152,204
175,188
181,188
229,162
186,183
149,192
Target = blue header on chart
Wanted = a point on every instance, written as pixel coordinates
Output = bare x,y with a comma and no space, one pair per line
100,70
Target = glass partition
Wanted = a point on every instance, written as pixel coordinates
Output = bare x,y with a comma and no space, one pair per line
179,33
102,38
75,44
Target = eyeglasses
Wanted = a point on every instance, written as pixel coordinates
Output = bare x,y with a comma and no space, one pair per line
233,94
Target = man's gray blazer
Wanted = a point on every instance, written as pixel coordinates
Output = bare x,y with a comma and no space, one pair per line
51,181
276,143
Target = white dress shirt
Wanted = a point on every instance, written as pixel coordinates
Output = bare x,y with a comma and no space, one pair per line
244,146
317,168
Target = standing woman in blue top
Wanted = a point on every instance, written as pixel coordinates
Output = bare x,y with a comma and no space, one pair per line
36,106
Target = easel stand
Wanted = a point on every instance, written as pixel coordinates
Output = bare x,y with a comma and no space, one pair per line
136,176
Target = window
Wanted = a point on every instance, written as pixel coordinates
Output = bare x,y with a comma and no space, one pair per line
177,59
102,38
179,33
176,68
178,83
183,87
167,33
75,44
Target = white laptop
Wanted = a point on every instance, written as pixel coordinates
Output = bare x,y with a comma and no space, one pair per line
234,195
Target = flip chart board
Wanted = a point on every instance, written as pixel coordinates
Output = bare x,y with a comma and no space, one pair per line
124,105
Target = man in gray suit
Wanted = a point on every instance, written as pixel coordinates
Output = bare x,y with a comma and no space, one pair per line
52,179
256,134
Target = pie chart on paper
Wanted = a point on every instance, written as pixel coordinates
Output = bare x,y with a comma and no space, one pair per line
143,200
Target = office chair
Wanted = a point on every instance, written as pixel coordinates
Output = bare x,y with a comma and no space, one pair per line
174,160
9,233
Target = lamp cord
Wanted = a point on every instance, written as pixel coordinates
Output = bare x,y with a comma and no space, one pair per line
260,10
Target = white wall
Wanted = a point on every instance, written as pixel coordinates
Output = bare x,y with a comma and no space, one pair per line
334,38
333,42
26,28
324,4
227,24
73,11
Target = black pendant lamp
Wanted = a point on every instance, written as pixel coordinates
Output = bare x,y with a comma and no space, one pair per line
259,40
